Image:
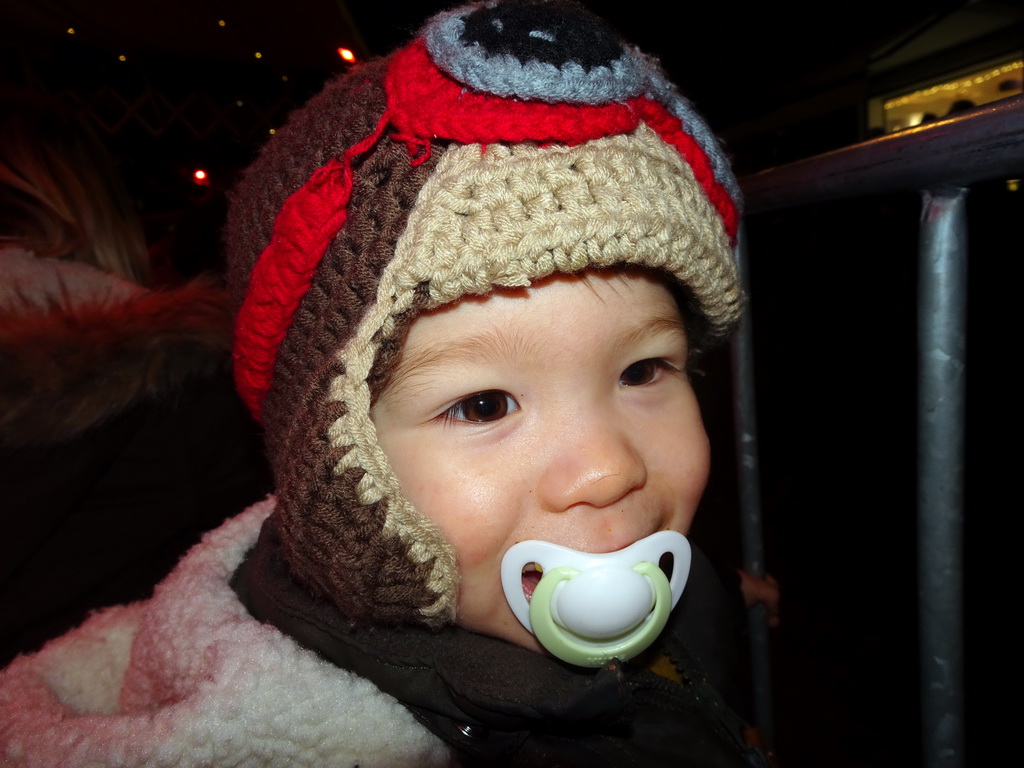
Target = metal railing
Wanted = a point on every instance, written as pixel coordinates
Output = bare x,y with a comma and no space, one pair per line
940,160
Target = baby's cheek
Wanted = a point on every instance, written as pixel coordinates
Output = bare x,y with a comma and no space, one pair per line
684,452
477,547
471,525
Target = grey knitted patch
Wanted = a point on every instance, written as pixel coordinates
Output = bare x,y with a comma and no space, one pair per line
507,76
663,91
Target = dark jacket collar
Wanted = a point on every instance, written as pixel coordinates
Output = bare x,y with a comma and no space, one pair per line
501,704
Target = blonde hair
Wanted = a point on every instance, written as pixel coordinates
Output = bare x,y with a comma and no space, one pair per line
60,196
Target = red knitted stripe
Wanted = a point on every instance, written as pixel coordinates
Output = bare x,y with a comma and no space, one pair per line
670,128
425,102
304,228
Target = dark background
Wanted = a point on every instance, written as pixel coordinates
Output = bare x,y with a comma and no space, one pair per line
833,297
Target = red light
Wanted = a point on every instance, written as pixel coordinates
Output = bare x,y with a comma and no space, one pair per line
347,55
201,177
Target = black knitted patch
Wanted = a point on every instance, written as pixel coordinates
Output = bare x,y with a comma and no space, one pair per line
551,32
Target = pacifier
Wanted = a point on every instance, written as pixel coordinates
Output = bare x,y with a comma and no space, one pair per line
588,609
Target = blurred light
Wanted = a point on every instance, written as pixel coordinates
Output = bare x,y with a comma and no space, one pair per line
1013,185
222,23
200,177
273,131
259,55
347,55
122,57
238,103
284,78
71,30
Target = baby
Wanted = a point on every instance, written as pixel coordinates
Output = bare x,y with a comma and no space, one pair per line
471,277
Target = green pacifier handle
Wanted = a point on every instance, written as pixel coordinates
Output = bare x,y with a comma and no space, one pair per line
584,652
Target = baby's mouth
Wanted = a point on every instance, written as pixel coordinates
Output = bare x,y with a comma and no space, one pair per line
531,578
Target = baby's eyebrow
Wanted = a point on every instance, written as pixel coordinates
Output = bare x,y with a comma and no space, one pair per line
667,324
488,346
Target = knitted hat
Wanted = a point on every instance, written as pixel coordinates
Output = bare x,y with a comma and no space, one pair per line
510,140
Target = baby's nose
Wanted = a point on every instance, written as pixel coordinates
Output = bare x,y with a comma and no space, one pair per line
597,466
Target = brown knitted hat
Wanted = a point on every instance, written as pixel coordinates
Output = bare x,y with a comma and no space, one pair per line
510,140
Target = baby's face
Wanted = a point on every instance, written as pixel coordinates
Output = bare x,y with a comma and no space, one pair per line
559,412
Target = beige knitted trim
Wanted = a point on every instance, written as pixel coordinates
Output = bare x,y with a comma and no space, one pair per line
509,215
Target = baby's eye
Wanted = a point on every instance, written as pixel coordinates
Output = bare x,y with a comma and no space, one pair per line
641,372
482,407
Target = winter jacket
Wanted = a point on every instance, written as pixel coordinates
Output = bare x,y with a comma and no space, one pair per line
501,705
190,677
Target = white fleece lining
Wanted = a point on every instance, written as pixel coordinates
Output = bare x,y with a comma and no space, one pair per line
206,684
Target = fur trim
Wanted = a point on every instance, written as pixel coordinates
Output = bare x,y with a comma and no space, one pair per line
68,368
189,678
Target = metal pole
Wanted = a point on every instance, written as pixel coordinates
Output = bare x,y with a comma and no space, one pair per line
982,143
748,475
942,303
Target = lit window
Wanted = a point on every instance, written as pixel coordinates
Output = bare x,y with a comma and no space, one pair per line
955,93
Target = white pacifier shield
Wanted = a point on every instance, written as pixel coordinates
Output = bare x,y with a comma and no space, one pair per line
608,597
